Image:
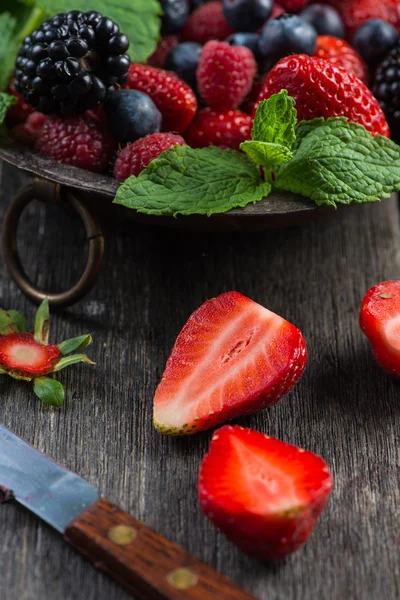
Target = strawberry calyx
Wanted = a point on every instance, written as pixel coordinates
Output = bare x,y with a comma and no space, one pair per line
21,352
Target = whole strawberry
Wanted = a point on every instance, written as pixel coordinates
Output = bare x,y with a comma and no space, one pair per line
82,141
380,321
225,74
173,97
356,12
227,129
206,23
340,53
321,89
265,495
135,157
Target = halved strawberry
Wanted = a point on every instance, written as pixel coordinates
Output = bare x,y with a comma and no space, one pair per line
380,321
20,351
233,356
264,494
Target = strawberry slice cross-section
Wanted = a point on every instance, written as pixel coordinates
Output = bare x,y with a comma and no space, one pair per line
264,494
232,357
20,351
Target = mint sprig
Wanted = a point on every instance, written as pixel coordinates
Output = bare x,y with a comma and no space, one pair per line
190,181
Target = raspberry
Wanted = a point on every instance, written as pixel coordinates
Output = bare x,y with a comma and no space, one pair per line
340,53
67,64
81,141
291,6
172,96
27,133
227,130
356,12
206,23
225,74
321,89
135,157
164,47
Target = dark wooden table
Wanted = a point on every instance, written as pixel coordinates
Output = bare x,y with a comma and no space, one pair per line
344,408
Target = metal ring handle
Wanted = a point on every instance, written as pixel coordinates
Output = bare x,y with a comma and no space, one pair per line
10,250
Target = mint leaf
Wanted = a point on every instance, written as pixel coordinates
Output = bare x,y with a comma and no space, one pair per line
275,120
8,50
273,131
42,322
75,343
138,19
337,161
191,181
49,391
5,102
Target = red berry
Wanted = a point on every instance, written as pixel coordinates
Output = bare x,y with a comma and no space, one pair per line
81,141
265,495
225,74
27,133
227,130
21,352
380,321
164,47
292,6
173,97
18,112
232,357
321,89
340,53
355,12
135,157
206,23
277,10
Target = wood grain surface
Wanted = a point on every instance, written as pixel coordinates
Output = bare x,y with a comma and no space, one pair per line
343,408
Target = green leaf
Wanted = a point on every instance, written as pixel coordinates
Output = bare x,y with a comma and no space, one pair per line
19,320
275,120
3,371
190,181
8,49
62,363
138,19
17,375
5,102
336,161
266,154
49,391
75,344
42,322
7,323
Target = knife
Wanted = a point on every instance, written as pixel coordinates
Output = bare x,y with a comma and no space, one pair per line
148,565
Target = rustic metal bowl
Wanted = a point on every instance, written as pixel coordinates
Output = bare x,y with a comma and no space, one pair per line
89,193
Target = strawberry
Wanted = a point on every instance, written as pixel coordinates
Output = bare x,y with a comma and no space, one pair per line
206,23
225,74
135,157
21,352
264,494
293,5
321,89
380,321
340,53
227,129
164,47
172,96
232,357
355,12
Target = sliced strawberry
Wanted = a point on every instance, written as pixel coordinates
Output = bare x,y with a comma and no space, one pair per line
232,357
380,321
20,351
265,495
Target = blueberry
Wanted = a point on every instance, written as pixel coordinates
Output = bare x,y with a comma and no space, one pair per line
285,35
132,115
247,15
325,19
184,60
374,39
250,40
175,15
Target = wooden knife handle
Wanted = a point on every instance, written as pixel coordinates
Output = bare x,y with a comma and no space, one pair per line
148,565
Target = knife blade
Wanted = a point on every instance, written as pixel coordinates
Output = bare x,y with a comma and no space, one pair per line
145,563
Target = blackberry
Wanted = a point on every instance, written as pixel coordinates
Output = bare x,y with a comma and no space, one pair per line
386,88
70,62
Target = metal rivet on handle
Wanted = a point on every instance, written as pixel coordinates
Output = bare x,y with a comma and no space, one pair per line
182,578
122,535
